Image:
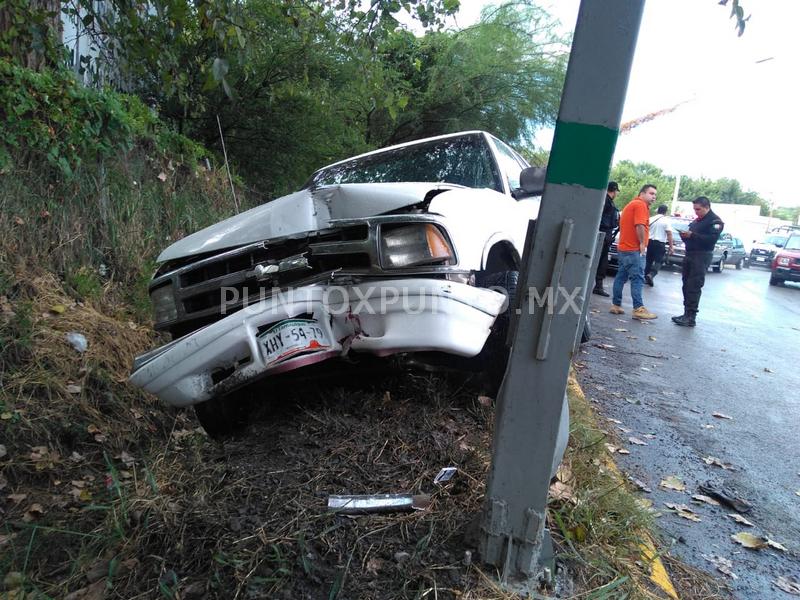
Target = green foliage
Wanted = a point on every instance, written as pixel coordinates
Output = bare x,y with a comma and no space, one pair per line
84,283
51,118
27,32
632,176
503,74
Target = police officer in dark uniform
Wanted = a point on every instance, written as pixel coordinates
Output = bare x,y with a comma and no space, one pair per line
700,239
609,221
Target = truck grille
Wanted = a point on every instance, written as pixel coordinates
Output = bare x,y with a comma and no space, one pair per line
199,286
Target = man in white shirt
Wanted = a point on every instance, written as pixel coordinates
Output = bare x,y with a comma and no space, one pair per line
660,243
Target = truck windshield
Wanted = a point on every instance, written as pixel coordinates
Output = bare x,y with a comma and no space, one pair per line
775,240
793,243
464,160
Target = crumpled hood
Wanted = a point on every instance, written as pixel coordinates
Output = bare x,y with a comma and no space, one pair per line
302,211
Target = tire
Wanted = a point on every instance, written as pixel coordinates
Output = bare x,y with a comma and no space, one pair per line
775,280
493,358
719,266
586,334
223,416
740,264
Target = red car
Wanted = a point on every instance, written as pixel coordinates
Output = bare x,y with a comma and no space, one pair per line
786,264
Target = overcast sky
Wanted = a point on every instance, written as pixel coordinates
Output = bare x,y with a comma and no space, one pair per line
741,119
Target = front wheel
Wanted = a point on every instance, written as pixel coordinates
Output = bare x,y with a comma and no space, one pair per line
222,416
775,280
719,266
739,264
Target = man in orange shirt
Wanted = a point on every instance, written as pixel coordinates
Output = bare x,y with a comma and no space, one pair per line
634,229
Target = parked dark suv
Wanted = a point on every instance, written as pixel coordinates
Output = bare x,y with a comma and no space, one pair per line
764,251
786,264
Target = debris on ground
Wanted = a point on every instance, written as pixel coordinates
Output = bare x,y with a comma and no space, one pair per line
726,496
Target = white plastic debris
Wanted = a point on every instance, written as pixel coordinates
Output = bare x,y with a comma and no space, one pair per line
445,475
77,341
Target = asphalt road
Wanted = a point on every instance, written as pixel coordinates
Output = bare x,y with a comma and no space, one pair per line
664,382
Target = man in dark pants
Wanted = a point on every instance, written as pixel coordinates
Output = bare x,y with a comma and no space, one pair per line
699,239
608,223
660,243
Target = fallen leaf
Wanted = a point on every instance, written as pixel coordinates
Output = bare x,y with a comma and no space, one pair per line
58,309
127,459
720,415
6,416
767,370
617,421
611,448
748,540
706,499
707,426
713,460
739,519
649,436
74,389
561,491
374,565
776,545
606,346
620,329
789,586
19,221
683,511
624,429
16,498
652,338
673,482
637,441
484,400
33,512
797,493
723,565
640,484
623,451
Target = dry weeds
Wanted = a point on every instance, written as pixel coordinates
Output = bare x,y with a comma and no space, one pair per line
106,494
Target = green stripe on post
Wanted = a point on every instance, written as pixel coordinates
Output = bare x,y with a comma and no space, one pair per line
581,155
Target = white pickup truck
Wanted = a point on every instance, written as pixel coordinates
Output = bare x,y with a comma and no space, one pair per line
391,252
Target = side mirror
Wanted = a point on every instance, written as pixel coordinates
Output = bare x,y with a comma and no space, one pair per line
531,182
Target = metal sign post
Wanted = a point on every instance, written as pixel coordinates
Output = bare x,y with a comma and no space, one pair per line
557,264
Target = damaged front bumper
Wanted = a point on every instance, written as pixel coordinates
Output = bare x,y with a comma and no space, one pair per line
310,324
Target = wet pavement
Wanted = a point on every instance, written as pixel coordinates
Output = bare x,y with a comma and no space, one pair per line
664,382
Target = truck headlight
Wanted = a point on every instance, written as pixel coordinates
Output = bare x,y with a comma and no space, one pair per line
415,244
164,307
783,261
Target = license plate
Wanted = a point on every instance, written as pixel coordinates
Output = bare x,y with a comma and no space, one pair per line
760,259
291,337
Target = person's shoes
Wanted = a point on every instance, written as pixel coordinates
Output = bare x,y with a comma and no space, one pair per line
600,291
643,314
648,279
616,310
685,320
